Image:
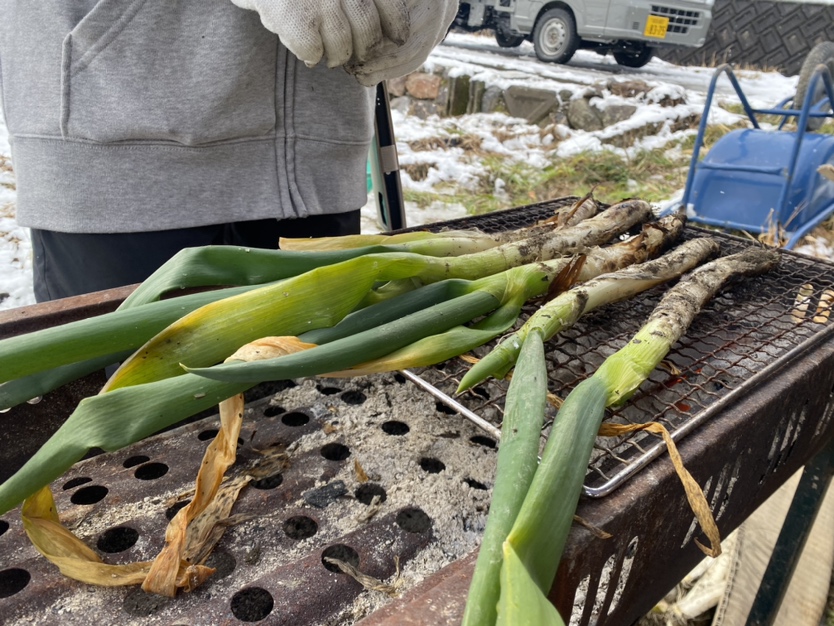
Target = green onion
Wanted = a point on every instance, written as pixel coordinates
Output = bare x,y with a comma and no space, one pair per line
524,410
316,299
535,543
443,346
100,336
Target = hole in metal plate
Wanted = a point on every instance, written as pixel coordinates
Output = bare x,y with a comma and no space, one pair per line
367,492
117,539
413,520
396,428
252,604
151,471
13,580
295,419
341,552
300,527
335,452
432,466
89,495
76,482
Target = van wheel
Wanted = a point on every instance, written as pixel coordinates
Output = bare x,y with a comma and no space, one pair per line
636,58
508,40
554,37
821,54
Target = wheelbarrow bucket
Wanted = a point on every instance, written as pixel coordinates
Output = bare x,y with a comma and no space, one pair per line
739,183
760,180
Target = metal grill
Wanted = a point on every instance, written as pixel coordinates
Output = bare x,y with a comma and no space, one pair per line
743,336
755,394
750,437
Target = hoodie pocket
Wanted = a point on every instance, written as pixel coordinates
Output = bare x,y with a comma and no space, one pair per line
184,71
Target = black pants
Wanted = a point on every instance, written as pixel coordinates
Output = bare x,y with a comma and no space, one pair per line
71,264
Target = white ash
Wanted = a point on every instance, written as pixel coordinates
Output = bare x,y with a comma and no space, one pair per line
457,510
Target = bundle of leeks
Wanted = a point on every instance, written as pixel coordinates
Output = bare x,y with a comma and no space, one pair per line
422,295
533,504
391,302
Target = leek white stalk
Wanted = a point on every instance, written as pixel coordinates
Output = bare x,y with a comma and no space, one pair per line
563,311
466,241
654,238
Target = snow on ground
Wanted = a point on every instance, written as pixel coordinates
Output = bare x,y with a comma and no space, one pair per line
498,133
15,248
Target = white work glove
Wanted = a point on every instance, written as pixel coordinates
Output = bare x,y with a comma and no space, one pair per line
373,39
336,30
430,21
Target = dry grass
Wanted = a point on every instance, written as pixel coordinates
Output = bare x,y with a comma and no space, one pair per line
654,174
714,60
6,168
417,171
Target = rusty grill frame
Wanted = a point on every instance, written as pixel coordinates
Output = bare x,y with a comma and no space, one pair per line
143,475
757,435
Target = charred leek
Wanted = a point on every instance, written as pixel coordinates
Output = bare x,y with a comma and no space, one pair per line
563,311
534,545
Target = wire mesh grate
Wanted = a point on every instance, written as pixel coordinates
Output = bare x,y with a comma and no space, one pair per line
751,329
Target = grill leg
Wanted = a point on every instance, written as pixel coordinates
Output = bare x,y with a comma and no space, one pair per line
800,518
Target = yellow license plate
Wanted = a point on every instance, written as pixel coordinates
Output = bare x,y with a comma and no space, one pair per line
656,27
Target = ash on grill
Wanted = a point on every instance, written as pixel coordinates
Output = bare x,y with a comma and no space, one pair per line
348,441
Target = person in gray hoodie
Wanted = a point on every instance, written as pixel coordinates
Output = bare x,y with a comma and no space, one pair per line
140,127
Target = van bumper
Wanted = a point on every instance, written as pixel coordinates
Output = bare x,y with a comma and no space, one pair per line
660,23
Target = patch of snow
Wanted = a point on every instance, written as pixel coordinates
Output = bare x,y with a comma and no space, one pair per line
816,247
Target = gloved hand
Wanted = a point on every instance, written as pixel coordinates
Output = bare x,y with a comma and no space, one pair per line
373,39
430,21
336,30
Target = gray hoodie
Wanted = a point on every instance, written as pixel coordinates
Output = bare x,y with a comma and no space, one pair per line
137,115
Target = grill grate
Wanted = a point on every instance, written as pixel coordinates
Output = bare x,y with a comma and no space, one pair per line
742,336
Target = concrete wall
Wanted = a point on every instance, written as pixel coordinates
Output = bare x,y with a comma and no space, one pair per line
760,33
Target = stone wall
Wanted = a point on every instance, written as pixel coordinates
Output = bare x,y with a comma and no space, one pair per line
424,94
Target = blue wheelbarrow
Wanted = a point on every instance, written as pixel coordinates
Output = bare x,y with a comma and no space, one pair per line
765,181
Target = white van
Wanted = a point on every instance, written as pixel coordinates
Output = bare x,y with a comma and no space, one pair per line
632,30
